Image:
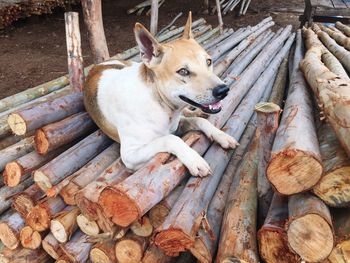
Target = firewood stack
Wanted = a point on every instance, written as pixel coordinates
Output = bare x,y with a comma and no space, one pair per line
66,195
12,10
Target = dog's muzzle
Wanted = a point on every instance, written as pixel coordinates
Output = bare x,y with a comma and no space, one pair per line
220,92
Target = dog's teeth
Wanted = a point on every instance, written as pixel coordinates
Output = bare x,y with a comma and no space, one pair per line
210,107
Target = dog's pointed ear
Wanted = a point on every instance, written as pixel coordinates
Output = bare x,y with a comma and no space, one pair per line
150,50
188,27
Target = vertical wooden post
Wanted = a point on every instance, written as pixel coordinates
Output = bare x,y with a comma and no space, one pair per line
75,59
92,10
221,23
154,17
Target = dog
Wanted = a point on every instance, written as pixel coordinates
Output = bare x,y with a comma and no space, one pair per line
139,105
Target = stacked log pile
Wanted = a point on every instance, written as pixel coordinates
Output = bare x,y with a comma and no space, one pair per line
12,10
67,195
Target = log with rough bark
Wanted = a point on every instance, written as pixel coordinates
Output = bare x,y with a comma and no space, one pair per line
154,17
332,92
40,216
75,58
29,238
333,188
309,229
207,45
239,222
10,225
71,160
272,237
103,253
25,255
279,85
56,134
64,224
15,151
221,23
77,248
344,28
130,248
24,201
89,227
132,199
15,171
69,186
295,164
341,223
155,255
92,11
29,119
52,246
339,37
267,124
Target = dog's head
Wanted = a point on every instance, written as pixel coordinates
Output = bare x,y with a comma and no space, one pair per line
182,70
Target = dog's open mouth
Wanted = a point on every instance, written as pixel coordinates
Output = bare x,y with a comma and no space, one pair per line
207,108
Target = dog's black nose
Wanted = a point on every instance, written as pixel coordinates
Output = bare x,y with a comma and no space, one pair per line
220,92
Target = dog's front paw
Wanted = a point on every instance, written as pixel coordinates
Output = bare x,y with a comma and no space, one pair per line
197,166
226,141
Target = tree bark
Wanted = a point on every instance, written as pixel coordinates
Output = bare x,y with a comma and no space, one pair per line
77,249
92,11
295,165
75,58
24,202
309,230
279,85
40,216
332,92
52,246
31,118
29,238
56,134
64,224
339,37
71,160
24,255
103,253
10,225
221,23
344,28
272,237
154,17
130,248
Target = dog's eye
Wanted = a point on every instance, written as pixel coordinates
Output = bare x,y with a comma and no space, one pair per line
183,72
209,62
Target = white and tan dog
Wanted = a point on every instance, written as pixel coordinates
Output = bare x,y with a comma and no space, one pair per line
140,104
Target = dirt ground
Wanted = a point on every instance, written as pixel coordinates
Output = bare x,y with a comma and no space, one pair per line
33,50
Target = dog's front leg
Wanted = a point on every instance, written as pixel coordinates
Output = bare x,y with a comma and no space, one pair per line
226,141
135,158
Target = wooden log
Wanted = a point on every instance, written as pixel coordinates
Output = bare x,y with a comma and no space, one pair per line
77,249
75,58
333,187
15,170
341,223
29,238
142,227
69,186
267,124
327,87
52,246
6,193
339,37
309,230
71,160
9,140
239,222
221,23
24,255
344,28
279,85
130,248
40,216
15,151
155,255
10,225
295,163
29,119
103,253
160,211
92,11
88,227
24,201
130,194
208,45
168,27
56,134
272,237
64,224
154,17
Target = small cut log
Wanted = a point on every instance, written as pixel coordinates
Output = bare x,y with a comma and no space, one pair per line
29,238
10,225
103,253
64,224
52,246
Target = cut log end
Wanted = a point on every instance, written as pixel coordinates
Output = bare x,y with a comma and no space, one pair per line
68,193
41,142
50,249
99,256
87,226
119,207
293,172
173,241
334,187
38,219
42,180
158,214
341,253
23,204
233,260
128,251
8,237
59,231
267,107
201,251
29,238
311,237
12,174
142,227
17,124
